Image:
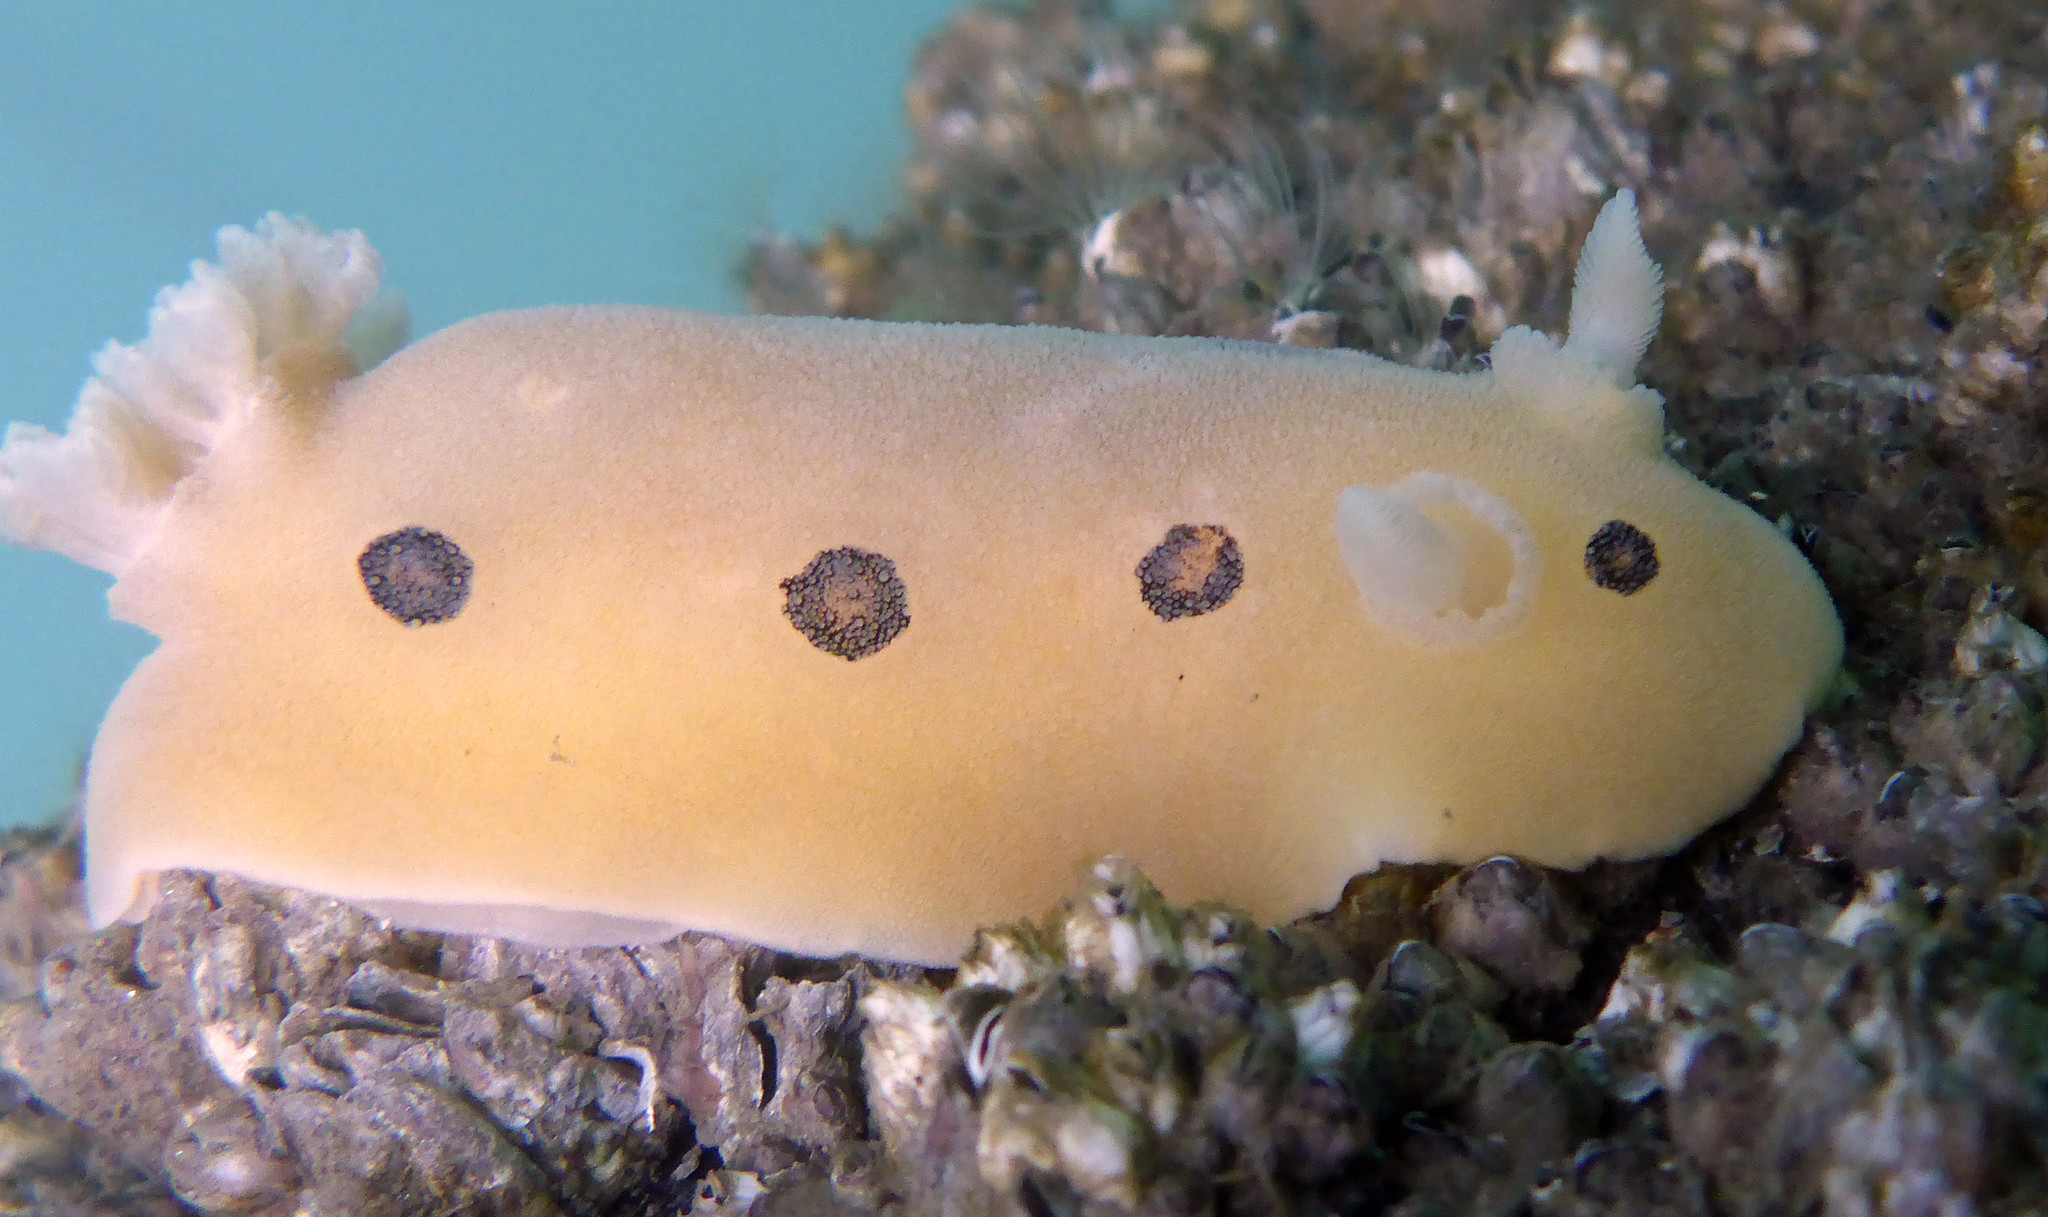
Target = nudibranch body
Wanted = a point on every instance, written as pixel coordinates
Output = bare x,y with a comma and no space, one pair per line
585,625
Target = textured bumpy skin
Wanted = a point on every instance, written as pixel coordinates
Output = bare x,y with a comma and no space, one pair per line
854,636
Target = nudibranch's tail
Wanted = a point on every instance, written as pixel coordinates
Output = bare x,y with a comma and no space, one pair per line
268,327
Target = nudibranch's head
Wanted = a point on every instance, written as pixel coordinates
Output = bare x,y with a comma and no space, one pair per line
1628,615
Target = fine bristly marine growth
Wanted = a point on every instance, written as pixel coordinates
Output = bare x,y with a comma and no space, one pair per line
588,624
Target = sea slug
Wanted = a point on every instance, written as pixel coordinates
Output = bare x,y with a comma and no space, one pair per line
588,624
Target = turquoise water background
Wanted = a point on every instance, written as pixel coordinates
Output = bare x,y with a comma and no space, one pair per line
499,155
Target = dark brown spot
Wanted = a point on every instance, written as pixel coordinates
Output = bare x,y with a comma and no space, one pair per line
1195,570
416,575
1621,557
848,602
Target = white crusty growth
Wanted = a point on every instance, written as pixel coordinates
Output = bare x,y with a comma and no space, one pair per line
264,327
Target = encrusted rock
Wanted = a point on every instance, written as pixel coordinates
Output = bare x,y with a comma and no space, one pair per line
42,903
281,1053
1890,1064
1512,919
